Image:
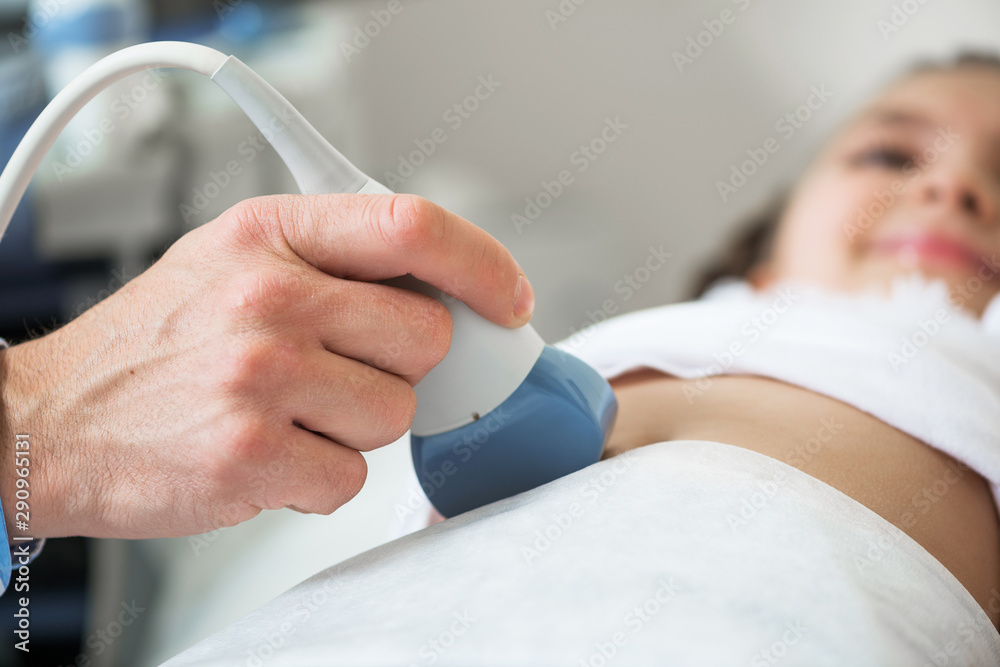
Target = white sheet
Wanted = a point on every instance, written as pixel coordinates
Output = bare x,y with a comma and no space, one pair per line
680,553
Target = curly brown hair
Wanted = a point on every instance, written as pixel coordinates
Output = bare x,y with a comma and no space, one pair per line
752,243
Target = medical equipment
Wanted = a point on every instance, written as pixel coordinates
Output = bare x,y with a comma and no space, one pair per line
501,414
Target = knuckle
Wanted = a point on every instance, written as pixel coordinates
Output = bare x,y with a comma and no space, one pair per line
234,513
498,264
246,366
243,442
333,482
249,441
349,476
254,221
419,333
436,325
402,408
390,403
256,295
412,222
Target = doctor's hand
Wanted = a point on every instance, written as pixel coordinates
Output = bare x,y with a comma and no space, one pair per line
247,369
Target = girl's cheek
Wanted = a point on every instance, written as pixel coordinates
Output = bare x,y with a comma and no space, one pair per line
816,240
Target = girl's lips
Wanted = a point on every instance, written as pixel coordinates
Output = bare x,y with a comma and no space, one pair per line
931,246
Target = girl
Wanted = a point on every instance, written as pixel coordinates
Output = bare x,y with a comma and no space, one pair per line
911,185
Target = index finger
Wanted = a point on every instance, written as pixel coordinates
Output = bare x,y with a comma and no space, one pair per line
374,237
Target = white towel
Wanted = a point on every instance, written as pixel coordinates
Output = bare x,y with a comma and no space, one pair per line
910,358
679,553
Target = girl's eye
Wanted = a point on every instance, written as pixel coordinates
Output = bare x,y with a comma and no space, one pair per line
882,156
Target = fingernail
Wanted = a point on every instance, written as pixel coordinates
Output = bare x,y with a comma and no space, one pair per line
524,298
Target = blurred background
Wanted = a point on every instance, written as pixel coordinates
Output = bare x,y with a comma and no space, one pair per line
580,133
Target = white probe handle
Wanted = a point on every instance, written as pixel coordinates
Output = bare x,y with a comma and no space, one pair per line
483,367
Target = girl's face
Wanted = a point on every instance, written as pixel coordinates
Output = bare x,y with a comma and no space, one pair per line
911,184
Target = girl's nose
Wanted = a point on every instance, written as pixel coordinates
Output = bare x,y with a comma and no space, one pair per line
959,187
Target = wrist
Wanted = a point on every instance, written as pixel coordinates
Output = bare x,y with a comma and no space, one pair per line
23,437
7,485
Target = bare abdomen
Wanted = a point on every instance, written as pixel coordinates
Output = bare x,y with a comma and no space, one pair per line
944,506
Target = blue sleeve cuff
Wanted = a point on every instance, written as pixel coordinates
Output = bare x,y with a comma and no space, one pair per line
6,556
